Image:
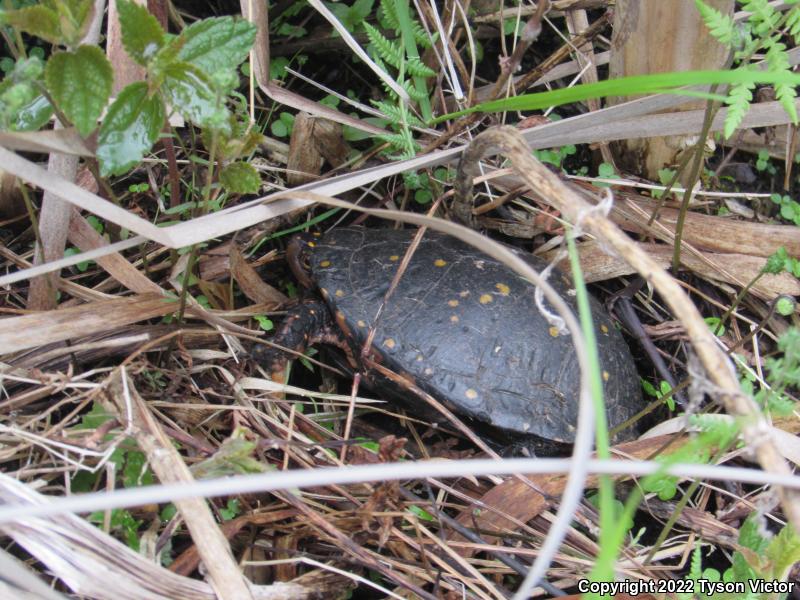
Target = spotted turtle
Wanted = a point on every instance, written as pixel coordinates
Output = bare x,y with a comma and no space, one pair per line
460,325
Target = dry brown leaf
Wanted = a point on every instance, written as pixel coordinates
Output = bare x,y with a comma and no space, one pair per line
519,502
255,288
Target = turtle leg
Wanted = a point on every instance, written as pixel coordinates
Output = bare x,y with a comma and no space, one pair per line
308,323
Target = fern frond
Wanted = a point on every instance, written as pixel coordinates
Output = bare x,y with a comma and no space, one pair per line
778,60
388,15
763,18
396,140
421,36
696,565
413,92
715,431
721,27
396,114
389,51
417,68
738,101
792,24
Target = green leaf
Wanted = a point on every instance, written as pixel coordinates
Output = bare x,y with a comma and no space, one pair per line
352,17
264,323
36,20
96,416
80,83
188,90
716,326
129,129
136,473
33,115
214,44
421,513
142,35
240,178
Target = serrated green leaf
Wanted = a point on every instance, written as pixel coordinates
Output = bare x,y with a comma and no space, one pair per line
240,178
214,44
129,129
80,83
36,20
142,35
190,92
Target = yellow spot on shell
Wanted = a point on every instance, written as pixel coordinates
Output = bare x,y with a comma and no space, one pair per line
325,264
603,328
439,262
471,394
485,299
553,331
420,358
312,244
503,289
339,293
454,319
452,303
361,323
394,258
389,343
606,376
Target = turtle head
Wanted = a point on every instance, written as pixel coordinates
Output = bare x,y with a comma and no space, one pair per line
298,255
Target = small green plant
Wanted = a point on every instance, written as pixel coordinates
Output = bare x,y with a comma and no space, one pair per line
280,25
665,175
193,73
789,208
130,463
605,171
763,163
399,56
760,558
265,323
231,510
555,156
662,392
716,325
780,261
283,125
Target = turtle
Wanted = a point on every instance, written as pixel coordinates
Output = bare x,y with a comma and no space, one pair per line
460,325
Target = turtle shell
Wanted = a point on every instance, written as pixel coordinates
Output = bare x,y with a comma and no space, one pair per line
467,330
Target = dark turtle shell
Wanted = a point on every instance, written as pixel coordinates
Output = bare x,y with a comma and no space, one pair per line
467,330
